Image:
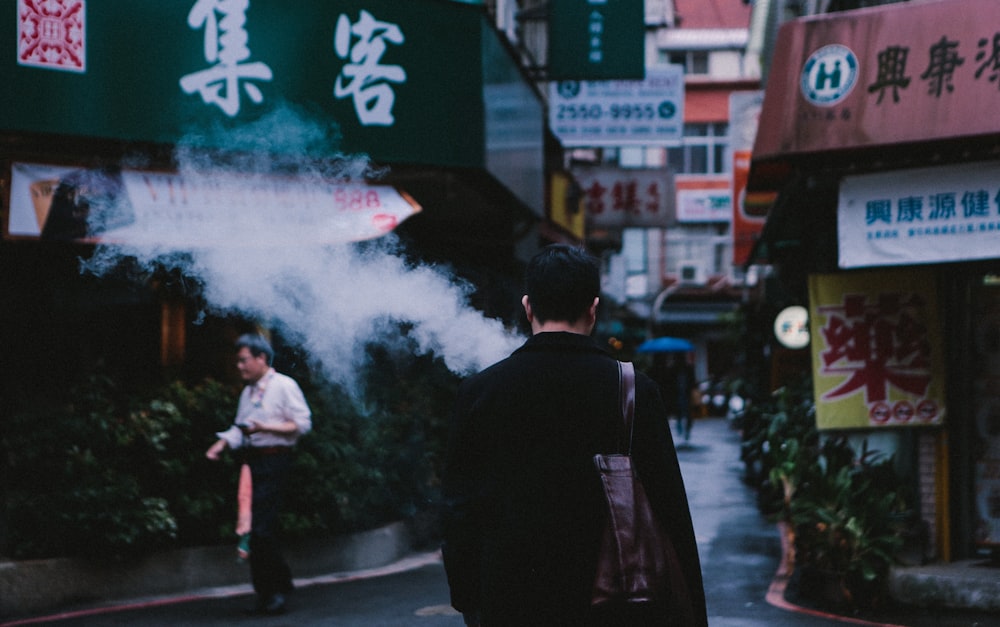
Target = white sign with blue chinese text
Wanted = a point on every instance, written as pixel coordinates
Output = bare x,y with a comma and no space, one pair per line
927,215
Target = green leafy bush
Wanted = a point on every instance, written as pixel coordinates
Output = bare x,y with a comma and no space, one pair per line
779,435
847,512
86,474
850,514
105,471
365,465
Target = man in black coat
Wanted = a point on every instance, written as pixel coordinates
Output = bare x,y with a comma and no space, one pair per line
524,508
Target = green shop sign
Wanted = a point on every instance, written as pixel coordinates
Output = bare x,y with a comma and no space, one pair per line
399,81
591,40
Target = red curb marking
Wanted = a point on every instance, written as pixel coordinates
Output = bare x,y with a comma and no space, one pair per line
776,591
402,565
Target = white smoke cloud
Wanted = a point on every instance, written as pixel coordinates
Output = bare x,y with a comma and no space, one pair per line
331,299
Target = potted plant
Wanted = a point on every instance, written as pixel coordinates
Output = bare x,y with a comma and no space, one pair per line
849,515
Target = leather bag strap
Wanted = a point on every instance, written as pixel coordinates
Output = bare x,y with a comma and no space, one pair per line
626,394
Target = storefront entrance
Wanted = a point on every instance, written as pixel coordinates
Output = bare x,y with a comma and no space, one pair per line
985,431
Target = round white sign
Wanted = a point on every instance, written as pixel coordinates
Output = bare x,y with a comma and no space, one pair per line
829,75
791,327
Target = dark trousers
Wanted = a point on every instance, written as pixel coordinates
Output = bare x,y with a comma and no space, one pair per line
268,570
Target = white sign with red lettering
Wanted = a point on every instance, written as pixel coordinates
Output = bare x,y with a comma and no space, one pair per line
262,209
618,198
171,210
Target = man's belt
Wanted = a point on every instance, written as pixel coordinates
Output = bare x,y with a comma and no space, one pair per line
269,450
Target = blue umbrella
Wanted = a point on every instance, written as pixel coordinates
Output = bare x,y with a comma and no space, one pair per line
666,345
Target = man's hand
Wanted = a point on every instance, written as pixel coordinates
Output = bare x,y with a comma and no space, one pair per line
213,451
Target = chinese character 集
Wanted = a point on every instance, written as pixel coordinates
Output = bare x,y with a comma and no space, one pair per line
225,46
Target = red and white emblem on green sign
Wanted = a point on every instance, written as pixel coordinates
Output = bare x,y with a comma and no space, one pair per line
51,34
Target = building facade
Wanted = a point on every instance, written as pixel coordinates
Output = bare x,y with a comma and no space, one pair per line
197,125
681,277
884,227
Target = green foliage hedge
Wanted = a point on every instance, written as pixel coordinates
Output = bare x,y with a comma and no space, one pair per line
106,471
847,511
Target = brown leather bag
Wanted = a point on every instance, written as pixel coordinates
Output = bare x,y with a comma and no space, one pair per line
637,562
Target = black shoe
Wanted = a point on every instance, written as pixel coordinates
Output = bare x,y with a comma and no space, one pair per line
275,605
272,606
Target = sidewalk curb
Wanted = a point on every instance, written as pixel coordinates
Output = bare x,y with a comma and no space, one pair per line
38,586
405,564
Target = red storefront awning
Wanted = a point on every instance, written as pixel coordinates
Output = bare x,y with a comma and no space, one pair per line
875,80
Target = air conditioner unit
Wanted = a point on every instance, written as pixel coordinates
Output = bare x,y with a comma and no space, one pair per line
692,272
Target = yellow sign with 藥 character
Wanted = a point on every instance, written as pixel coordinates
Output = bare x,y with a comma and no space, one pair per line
877,351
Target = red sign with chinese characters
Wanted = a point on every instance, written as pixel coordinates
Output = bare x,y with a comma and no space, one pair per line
619,198
51,34
905,72
877,353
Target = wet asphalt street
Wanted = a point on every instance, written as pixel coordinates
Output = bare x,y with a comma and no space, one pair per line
740,552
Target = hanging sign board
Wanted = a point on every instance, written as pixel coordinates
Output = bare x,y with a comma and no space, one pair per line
878,357
596,39
748,219
188,211
704,199
791,327
647,112
616,198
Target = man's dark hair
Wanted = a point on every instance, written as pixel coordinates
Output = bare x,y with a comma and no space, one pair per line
561,283
257,344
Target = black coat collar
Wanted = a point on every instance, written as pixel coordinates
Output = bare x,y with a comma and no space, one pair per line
562,341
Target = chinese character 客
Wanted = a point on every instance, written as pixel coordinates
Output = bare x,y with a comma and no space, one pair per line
365,76
225,47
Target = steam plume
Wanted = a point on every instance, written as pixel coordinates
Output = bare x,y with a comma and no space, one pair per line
332,299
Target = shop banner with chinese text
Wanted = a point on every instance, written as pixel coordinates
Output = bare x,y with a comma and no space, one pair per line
893,74
615,198
877,350
926,215
596,40
398,81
